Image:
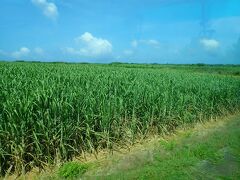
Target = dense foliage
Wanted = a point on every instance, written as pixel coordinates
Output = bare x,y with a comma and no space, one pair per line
51,112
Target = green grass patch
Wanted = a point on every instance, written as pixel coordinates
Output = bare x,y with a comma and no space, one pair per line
72,170
214,155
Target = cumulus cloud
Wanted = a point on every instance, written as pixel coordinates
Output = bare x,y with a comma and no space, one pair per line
209,44
73,51
149,42
49,8
90,46
38,50
134,43
23,51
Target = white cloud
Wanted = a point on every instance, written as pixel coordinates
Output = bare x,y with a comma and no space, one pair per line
152,42
149,42
49,8
23,51
209,44
91,46
134,43
38,50
73,51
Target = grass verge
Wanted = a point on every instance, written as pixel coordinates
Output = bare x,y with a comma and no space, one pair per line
208,150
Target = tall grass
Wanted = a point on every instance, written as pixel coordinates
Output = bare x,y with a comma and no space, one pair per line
53,112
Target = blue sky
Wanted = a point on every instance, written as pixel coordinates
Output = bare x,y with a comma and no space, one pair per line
146,31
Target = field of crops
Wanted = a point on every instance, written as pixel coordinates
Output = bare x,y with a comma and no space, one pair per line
54,112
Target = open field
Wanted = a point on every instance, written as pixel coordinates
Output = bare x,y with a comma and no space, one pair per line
53,112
